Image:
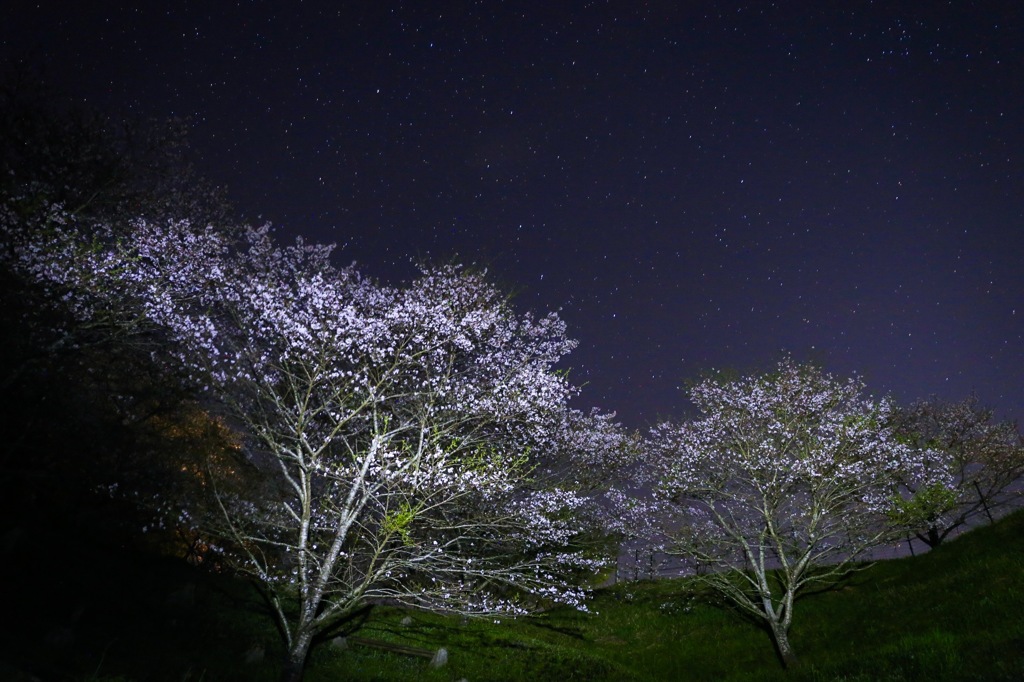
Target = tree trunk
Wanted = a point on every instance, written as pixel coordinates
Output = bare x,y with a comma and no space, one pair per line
295,662
782,646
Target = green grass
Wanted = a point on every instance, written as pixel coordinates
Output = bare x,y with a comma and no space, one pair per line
952,614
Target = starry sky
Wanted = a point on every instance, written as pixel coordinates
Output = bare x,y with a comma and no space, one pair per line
695,185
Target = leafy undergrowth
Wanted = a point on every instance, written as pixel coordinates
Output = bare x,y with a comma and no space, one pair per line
86,608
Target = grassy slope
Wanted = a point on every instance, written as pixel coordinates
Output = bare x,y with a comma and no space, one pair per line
953,614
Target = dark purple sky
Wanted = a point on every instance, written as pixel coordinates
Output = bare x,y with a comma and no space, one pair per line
695,184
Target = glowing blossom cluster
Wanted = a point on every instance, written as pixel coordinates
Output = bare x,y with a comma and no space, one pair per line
792,434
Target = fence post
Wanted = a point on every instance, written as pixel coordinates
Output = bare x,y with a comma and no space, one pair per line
984,503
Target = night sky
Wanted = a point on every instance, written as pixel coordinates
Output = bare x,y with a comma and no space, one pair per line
695,185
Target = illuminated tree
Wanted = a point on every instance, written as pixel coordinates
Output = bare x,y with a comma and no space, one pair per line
413,438
985,459
782,484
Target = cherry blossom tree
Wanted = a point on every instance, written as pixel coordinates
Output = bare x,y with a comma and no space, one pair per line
782,484
984,457
413,438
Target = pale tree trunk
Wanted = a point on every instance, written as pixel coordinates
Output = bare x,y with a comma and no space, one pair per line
780,635
295,661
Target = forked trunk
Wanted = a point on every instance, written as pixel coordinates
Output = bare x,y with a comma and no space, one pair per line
295,662
782,646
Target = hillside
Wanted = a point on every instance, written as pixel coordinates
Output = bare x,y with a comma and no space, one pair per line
87,605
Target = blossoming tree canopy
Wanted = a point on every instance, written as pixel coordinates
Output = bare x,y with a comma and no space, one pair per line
984,459
399,428
792,472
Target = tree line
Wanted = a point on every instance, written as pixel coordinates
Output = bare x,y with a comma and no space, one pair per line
353,443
